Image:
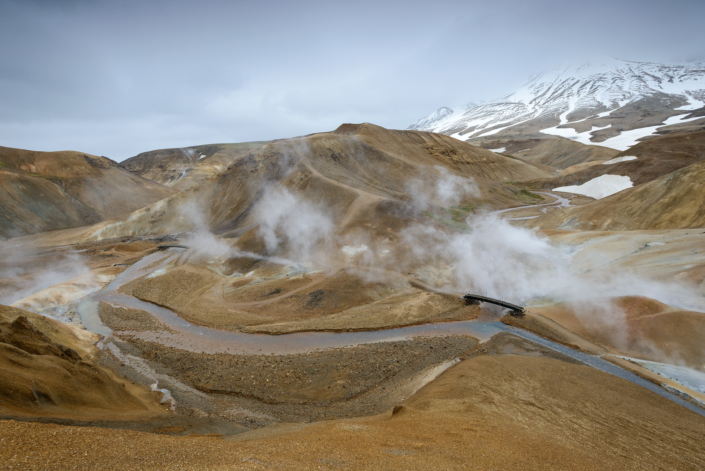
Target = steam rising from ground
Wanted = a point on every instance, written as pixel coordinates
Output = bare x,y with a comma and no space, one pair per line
25,270
188,152
301,226
492,257
441,187
285,221
204,243
505,261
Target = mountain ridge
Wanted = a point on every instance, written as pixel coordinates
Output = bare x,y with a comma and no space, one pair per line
592,103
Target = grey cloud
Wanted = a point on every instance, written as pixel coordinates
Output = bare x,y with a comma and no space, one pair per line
119,78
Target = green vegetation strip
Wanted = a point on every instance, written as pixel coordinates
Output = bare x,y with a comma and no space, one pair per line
458,216
531,195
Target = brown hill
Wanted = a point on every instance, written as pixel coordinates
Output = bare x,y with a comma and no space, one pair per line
655,157
496,410
47,369
673,201
559,153
368,184
357,172
181,168
45,191
31,204
427,149
648,330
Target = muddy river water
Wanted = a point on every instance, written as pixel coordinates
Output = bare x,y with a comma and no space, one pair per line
199,339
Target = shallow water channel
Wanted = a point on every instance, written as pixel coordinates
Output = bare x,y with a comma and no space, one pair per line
559,203
199,339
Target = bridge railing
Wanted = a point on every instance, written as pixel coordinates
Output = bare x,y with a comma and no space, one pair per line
516,311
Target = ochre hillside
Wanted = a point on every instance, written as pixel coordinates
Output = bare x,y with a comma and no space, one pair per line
181,168
45,191
557,152
357,172
673,201
48,368
654,158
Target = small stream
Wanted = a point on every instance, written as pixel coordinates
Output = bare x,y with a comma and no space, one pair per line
199,339
605,366
560,203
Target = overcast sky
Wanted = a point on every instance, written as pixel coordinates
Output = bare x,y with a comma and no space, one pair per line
116,78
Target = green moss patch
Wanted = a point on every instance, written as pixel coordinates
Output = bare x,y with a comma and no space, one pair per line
531,195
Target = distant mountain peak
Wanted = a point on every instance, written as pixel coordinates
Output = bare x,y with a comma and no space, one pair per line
433,119
587,93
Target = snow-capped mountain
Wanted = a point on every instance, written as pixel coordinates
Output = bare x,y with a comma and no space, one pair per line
609,102
428,122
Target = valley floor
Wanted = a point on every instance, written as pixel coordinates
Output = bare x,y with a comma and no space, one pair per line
148,342
495,410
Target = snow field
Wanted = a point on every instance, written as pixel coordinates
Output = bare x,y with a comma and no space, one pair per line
616,160
600,187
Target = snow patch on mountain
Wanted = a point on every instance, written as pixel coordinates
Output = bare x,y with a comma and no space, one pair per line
617,160
693,105
600,187
570,133
629,138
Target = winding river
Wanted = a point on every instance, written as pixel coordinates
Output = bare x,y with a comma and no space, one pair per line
199,339
559,203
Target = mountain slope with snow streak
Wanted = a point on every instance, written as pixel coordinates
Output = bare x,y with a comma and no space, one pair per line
609,102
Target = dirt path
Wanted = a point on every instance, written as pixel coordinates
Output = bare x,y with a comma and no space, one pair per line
359,191
558,202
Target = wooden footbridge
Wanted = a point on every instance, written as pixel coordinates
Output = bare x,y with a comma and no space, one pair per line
516,311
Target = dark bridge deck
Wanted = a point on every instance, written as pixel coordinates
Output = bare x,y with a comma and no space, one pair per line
476,299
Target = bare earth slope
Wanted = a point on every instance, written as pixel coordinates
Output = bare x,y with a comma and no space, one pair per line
182,168
656,157
673,201
559,153
46,369
56,190
358,171
426,148
488,412
31,204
